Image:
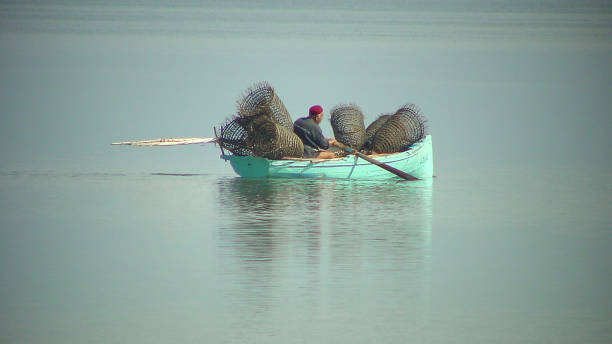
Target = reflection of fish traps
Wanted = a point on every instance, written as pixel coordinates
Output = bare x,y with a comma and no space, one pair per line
405,127
261,99
347,124
372,129
259,136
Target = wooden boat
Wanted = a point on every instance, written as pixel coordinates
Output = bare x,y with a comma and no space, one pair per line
417,161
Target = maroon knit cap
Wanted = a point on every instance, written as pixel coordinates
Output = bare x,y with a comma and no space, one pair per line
315,110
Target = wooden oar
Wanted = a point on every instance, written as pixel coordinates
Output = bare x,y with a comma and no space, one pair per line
168,142
393,170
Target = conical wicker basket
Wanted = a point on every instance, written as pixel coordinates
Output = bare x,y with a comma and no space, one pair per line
261,99
347,124
371,131
233,136
405,127
270,140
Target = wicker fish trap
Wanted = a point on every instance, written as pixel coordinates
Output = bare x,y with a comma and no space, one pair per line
261,99
347,124
372,129
259,136
270,140
405,127
233,136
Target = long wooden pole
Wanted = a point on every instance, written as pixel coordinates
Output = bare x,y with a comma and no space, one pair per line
168,142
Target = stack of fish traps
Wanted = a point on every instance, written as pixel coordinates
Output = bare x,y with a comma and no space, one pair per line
262,128
347,124
389,133
399,131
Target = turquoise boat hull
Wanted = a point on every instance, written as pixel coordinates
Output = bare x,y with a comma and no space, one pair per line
417,161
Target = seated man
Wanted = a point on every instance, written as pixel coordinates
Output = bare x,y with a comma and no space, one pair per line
307,128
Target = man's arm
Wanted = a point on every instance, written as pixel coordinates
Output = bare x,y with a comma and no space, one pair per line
319,139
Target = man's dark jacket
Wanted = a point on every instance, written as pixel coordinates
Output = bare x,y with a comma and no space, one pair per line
312,136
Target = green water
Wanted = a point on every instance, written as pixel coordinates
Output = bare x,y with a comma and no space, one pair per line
146,258
510,243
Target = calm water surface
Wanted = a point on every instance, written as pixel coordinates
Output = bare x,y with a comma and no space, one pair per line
510,243
136,257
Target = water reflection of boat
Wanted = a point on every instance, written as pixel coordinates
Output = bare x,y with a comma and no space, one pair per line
272,212
320,245
417,161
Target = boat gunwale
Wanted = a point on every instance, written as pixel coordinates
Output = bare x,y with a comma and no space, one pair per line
319,164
